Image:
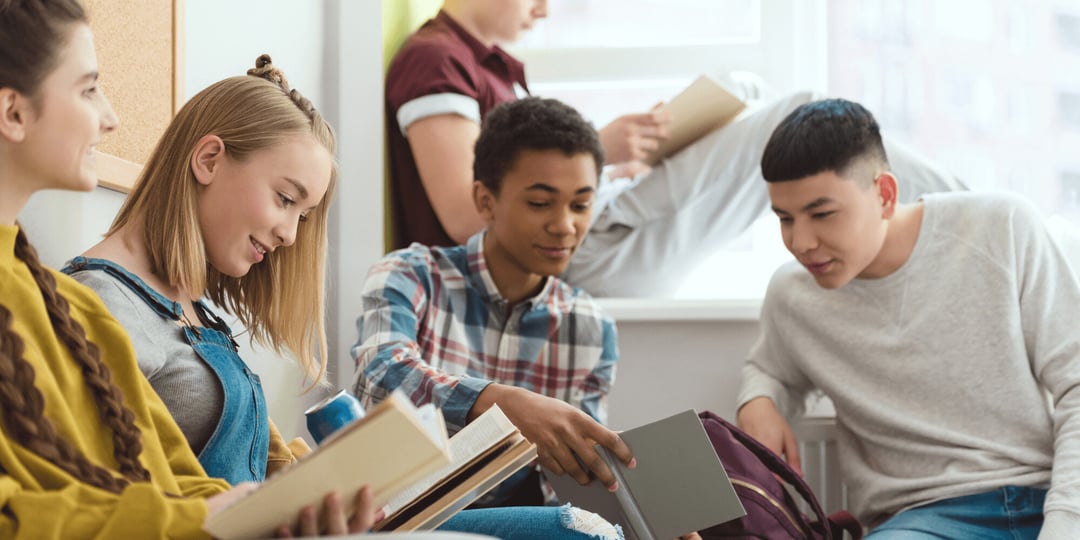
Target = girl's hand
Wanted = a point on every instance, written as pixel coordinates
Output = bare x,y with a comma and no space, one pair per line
333,520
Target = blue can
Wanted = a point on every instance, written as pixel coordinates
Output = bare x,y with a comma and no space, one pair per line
332,414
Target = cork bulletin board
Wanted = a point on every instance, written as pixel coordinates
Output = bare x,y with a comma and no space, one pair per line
139,47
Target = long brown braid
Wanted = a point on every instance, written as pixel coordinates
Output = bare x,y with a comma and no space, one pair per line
24,405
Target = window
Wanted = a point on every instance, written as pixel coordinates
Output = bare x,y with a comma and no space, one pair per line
613,57
576,24
986,88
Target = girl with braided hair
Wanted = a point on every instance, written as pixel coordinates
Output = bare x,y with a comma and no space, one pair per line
88,448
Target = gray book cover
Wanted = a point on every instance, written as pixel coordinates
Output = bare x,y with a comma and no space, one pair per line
679,485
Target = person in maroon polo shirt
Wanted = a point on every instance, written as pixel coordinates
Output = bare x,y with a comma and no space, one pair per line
645,236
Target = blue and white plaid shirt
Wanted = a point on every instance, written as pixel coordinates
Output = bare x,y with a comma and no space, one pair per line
435,326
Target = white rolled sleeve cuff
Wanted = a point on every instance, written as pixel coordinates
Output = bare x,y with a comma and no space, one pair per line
437,104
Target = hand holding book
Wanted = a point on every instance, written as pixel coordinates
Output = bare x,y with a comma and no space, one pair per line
635,142
387,450
559,431
679,486
699,109
630,138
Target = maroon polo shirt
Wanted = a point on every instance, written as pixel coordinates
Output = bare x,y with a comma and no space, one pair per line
441,69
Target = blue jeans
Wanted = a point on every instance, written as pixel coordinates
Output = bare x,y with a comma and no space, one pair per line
1008,513
534,523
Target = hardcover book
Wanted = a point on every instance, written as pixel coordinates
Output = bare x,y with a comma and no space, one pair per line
678,486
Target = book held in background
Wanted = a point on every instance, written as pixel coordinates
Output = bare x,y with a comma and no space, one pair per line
700,108
395,449
678,486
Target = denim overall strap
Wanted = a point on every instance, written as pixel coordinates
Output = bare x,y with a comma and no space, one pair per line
239,446
163,306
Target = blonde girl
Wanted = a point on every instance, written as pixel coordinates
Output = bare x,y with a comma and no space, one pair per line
231,207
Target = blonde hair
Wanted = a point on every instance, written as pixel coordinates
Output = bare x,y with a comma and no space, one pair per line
282,301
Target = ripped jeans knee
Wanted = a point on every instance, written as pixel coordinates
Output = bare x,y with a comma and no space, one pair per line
588,523
534,523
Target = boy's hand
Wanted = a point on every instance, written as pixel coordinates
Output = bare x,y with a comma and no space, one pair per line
559,432
631,137
762,421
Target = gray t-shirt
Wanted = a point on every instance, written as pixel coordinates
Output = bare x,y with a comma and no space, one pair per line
939,371
186,384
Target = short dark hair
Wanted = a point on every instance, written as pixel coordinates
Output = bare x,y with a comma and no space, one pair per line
820,136
531,123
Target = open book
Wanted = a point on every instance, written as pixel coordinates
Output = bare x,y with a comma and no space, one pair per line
700,108
482,455
678,486
389,449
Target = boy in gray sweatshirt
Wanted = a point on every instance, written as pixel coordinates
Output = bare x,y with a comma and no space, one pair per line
939,329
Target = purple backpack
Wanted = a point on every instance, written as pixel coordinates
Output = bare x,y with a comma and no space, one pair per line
771,512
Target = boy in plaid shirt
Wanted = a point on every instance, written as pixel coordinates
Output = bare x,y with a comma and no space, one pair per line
490,322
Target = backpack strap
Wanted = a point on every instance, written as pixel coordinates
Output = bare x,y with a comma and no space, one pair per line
778,466
843,521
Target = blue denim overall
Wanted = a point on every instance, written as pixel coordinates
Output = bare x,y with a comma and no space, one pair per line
238,448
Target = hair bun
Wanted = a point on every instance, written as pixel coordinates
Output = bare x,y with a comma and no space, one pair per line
264,67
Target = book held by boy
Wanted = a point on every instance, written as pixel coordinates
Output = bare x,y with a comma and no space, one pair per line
678,486
700,108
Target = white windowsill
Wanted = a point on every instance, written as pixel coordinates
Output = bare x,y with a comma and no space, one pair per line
656,309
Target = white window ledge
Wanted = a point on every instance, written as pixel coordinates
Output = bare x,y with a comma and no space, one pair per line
663,309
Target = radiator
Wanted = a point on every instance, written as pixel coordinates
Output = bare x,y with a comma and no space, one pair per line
820,463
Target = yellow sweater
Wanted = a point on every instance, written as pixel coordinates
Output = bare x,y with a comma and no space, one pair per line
42,501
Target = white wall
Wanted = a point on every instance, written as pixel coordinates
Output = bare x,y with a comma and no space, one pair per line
677,359
222,39
669,366
355,95
63,224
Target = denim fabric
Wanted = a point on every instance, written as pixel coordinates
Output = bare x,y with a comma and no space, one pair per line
1008,513
534,523
238,448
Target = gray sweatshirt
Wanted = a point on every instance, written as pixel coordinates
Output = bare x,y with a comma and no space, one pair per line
940,371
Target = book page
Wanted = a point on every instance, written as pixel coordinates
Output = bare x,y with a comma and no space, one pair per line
476,437
463,486
433,422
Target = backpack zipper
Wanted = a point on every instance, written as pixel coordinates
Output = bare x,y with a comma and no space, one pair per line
769,498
